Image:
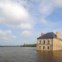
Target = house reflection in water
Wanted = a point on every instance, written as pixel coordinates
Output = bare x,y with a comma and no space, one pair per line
49,56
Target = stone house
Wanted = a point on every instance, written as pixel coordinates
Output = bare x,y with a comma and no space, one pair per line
49,42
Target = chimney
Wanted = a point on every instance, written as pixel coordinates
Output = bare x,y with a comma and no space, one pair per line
58,34
42,34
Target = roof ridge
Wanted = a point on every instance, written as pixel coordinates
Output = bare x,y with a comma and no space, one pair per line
47,35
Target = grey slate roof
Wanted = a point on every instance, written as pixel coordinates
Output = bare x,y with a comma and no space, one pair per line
49,35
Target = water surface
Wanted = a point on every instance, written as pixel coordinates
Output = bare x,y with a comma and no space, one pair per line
28,54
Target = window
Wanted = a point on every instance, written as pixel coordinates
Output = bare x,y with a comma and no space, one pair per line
48,47
44,42
39,47
43,47
48,41
40,42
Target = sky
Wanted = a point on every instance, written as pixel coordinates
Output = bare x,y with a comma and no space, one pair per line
22,21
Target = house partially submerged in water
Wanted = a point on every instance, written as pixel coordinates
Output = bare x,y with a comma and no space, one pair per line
49,41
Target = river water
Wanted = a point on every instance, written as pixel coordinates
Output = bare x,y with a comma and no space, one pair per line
28,54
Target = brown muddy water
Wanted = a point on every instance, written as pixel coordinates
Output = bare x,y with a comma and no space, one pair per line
28,54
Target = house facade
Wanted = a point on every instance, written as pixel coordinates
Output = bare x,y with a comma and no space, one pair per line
49,42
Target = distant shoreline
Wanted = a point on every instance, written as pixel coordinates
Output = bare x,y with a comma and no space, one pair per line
29,45
25,45
9,46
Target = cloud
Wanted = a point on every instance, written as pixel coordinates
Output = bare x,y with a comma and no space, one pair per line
26,33
46,9
6,36
47,22
57,3
26,26
44,21
12,13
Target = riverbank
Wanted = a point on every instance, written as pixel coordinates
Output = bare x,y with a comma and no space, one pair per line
29,45
25,45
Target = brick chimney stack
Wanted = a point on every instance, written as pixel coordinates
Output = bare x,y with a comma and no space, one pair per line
58,34
42,34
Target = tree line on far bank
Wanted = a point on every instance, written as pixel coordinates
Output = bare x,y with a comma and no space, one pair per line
25,45
29,45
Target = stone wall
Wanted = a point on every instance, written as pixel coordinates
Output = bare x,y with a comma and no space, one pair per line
44,44
57,44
